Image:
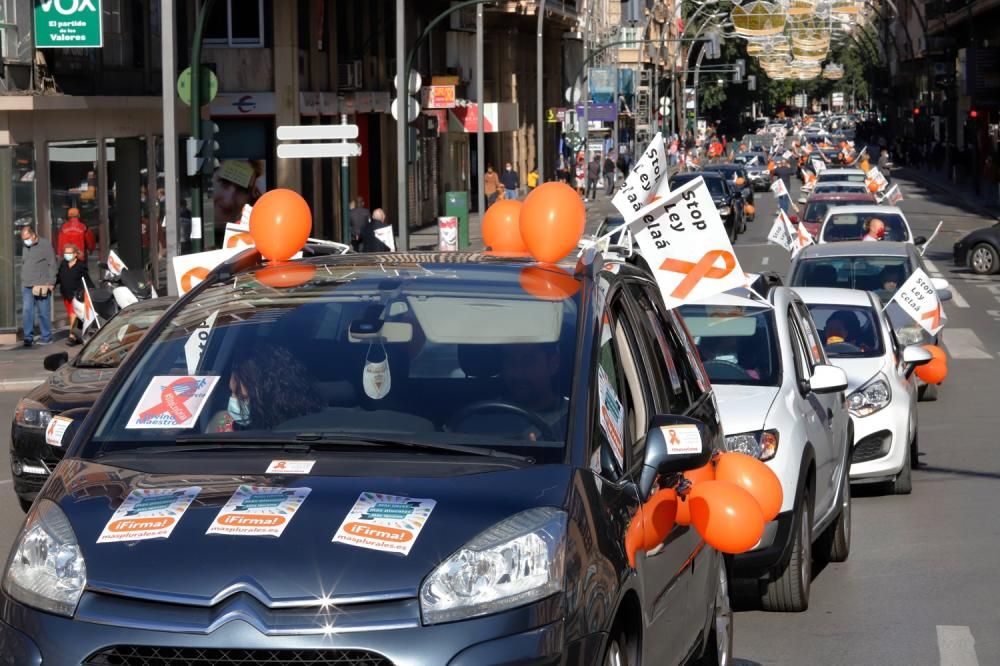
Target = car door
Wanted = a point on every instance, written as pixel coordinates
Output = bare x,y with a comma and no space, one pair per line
817,412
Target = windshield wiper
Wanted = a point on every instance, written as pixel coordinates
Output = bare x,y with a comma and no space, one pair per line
334,439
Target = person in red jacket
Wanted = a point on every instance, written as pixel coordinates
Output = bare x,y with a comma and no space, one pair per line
75,232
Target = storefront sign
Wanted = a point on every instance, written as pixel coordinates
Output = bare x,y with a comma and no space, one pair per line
243,104
439,97
68,24
497,116
555,115
599,113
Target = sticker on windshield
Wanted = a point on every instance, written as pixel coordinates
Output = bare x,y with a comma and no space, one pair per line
612,416
148,513
290,466
385,522
56,429
682,439
172,402
197,341
258,511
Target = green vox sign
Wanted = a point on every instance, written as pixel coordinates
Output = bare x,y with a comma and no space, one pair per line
209,86
68,24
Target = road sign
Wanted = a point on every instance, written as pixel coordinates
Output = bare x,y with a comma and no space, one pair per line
314,150
68,24
317,132
415,82
209,86
412,110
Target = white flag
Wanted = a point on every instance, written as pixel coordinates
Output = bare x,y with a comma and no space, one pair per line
782,233
875,176
89,313
894,196
819,166
802,239
647,182
920,301
115,263
685,243
779,189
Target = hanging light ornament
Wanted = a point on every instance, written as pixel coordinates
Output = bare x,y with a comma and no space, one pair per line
833,72
758,19
811,32
845,10
809,54
801,7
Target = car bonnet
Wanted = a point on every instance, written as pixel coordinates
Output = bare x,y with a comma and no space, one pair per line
744,408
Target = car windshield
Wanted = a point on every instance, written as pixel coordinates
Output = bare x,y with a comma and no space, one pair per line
434,353
847,331
837,187
737,344
852,177
112,343
851,226
883,275
715,186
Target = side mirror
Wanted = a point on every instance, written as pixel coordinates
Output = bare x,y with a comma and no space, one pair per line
802,200
920,240
827,379
55,361
944,295
68,434
674,444
914,356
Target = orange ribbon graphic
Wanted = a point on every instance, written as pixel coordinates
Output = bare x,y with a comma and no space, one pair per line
172,400
696,272
674,439
934,315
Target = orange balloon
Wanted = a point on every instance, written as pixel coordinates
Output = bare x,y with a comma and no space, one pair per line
873,187
755,477
936,371
726,516
552,221
704,473
633,539
549,283
280,223
501,232
658,516
683,516
749,210
865,165
286,274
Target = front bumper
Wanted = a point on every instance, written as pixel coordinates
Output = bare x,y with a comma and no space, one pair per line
533,634
31,460
881,442
770,553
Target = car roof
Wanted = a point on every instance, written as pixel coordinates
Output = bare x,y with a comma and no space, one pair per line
867,208
832,296
161,303
856,248
842,171
841,196
694,174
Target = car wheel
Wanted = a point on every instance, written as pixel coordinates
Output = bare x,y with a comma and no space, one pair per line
837,540
25,504
984,259
788,591
719,647
617,652
903,483
927,393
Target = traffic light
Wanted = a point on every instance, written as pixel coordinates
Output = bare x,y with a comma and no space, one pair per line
752,82
200,153
973,114
916,111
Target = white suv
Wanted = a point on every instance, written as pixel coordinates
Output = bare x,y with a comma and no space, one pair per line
781,401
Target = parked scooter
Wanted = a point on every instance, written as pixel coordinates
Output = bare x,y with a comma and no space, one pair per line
116,291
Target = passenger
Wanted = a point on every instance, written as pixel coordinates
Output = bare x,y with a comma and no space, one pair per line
874,230
891,276
530,374
268,387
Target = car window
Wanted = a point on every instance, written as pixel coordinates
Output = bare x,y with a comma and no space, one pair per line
418,353
663,350
848,331
803,368
812,339
854,177
883,275
640,406
694,380
851,226
113,342
737,345
611,399
716,186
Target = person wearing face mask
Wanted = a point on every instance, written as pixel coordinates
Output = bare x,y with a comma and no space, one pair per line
268,387
874,230
38,275
511,181
71,277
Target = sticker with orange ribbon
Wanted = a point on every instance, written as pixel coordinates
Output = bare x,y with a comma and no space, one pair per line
684,240
172,402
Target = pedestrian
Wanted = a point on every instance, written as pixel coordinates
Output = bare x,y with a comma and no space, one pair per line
609,175
511,181
359,218
71,276
378,236
785,171
38,275
74,232
491,186
581,178
532,179
593,175
883,164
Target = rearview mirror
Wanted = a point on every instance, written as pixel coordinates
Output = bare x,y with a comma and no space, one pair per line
920,240
674,444
915,356
827,379
55,361
389,332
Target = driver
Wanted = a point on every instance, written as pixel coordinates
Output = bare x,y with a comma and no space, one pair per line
890,278
529,373
836,331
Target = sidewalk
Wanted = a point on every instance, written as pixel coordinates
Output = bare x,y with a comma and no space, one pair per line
964,195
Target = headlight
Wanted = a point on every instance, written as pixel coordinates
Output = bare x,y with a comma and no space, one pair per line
761,444
515,562
724,210
46,569
32,414
910,335
870,398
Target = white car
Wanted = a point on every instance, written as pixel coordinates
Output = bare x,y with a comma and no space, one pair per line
850,174
781,401
847,223
882,391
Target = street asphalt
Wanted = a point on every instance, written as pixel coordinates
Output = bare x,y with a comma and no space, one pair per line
920,586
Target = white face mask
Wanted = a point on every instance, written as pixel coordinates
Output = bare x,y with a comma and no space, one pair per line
28,242
376,377
69,257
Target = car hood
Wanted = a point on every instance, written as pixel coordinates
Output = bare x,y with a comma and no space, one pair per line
859,370
744,408
303,562
70,387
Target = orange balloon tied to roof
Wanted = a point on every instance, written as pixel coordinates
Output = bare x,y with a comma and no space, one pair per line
286,274
552,221
501,229
548,282
704,473
936,371
749,210
726,516
754,477
280,223
872,187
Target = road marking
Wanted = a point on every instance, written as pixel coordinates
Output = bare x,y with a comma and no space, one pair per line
932,268
765,261
6,481
956,646
963,343
956,297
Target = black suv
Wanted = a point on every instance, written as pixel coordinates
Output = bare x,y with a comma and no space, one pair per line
440,453
727,198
